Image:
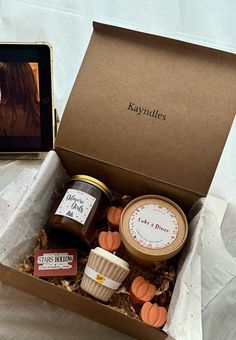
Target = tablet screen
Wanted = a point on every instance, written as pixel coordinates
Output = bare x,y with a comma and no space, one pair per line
26,123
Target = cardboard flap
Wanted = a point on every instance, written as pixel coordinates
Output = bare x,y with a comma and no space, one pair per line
156,106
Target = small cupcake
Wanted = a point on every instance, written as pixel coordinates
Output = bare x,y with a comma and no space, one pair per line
103,274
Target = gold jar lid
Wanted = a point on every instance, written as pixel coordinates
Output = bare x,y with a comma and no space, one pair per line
153,228
91,180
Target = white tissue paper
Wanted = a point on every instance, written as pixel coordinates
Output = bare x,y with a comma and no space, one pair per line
200,278
28,206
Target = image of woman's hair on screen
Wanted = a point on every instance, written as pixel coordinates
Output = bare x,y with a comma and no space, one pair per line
19,100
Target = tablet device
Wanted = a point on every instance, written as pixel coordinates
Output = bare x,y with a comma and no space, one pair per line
26,109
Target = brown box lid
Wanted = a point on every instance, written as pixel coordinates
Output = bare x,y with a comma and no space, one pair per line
153,105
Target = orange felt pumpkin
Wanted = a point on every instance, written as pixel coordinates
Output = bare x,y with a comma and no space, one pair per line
142,290
153,315
109,240
113,216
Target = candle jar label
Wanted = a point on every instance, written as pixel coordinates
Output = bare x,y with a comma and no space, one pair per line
76,205
153,226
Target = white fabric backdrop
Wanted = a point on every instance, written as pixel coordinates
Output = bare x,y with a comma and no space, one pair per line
67,25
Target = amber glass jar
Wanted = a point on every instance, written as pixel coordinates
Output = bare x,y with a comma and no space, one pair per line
75,217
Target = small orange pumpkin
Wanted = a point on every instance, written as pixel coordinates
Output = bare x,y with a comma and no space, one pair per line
142,290
109,240
153,315
113,216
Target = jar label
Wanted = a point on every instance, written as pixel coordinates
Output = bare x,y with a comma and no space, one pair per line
76,205
153,226
101,279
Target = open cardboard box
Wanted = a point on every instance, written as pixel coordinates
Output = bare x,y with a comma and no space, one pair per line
147,115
